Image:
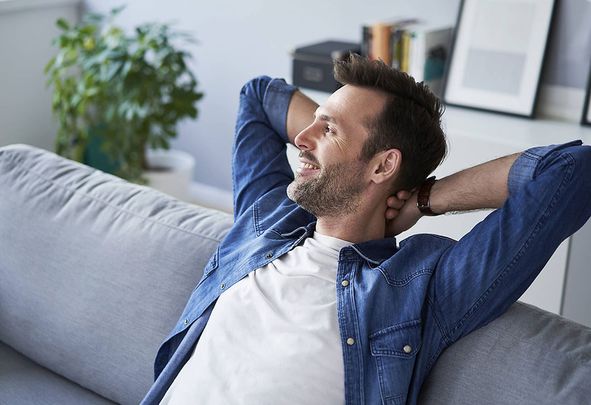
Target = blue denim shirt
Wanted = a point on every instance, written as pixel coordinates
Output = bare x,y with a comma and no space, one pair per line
404,303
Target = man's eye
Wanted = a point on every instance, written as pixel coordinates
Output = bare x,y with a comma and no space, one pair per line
328,130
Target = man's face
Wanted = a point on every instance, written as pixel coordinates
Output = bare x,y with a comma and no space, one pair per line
331,178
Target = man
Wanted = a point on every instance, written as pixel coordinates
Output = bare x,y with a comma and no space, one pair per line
309,299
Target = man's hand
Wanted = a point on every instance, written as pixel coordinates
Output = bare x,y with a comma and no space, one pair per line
482,186
401,212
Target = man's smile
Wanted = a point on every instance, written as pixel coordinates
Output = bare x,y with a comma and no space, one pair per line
306,168
307,164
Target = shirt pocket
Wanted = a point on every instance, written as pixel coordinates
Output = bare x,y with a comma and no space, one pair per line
394,350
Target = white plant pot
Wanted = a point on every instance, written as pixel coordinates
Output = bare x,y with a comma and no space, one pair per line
170,171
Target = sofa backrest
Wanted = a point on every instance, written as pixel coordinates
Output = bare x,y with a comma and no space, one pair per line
94,271
527,356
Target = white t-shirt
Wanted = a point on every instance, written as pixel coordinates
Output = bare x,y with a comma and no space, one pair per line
273,337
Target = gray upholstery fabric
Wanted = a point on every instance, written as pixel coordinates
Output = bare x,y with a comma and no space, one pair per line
24,382
94,271
527,356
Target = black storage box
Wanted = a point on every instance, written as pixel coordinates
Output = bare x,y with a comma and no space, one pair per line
312,64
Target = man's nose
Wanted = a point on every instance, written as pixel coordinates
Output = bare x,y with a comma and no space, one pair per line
306,140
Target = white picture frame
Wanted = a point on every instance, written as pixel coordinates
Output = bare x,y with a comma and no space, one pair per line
586,116
497,55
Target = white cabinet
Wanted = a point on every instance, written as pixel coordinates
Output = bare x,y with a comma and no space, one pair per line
475,137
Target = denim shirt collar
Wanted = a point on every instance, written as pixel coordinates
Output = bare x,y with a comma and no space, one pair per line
374,251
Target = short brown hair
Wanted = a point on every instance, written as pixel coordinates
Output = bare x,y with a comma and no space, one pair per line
409,122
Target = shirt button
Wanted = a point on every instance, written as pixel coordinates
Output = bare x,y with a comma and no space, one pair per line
350,341
269,255
407,349
186,322
223,286
345,283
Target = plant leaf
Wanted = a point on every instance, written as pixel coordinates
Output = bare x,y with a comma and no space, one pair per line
63,24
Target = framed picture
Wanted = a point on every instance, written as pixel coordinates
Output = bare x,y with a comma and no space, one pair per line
586,116
497,55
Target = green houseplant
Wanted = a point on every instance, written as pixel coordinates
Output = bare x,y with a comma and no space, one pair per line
116,94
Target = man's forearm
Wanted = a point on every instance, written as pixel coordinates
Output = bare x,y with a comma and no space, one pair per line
300,114
482,186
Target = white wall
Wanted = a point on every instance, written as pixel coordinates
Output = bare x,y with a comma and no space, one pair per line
238,40
242,39
26,30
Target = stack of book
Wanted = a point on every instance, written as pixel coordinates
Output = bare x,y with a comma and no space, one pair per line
414,47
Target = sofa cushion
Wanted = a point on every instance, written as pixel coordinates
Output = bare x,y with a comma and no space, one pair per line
94,271
25,382
527,356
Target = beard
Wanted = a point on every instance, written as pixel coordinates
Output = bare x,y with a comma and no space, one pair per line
335,191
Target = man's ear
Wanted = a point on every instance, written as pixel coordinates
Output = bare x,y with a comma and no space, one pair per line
385,166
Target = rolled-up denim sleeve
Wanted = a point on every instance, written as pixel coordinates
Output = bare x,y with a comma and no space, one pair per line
479,277
259,161
524,168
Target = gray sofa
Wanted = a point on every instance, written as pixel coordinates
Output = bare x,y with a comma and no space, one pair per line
94,272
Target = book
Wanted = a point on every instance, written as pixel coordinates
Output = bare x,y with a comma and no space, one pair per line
424,51
366,41
429,48
396,43
405,44
376,38
380,43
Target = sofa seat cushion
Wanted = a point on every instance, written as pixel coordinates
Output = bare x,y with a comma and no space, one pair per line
23,381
